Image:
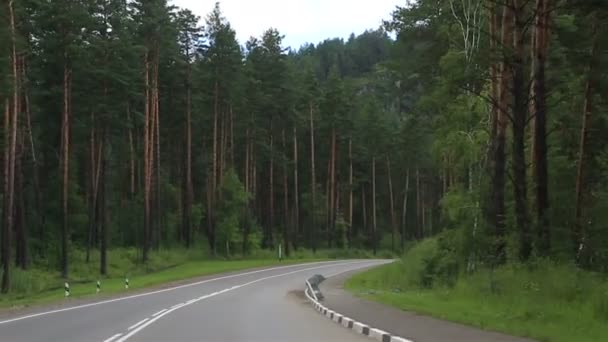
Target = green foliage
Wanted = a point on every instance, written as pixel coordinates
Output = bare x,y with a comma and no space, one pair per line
233,201
543,300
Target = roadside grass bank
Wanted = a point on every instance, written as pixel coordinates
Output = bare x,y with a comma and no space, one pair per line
38,285
543,300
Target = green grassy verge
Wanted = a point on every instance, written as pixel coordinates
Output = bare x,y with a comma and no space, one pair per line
38,285
546,301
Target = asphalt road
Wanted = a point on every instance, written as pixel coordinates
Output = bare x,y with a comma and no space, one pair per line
263,305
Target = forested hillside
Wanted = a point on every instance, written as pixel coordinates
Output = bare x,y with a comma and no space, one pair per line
138,124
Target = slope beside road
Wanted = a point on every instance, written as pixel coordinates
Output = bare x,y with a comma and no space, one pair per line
261,305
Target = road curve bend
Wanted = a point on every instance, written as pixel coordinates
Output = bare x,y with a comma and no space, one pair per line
262,305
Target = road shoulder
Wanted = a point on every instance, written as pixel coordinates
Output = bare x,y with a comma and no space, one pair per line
410,325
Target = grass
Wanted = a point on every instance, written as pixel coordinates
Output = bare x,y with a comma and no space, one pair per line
545,301
38,285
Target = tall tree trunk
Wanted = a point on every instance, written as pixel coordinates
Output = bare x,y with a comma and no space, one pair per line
65,166
350,190
296,192
6,230
364,208
329,193
102,216
332,189
286,228
489,197
269,233
313,182
95,149
541,38
21,259
213,189
374,227
254,176
423,210
222,152
159,210
210,230
404,211
131,154
494,75
35,169
147,156
419,228
520,99
328,204
10,133
188,191
392,204
247,173
580,234
498,187
232,149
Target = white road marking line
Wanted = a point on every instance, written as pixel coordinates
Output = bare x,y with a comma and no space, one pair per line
335,263
177,305
113,338
138,324
143,326
158,313
352,269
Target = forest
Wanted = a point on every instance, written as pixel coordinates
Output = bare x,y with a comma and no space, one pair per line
137,124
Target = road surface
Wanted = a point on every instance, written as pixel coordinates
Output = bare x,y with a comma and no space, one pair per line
262,305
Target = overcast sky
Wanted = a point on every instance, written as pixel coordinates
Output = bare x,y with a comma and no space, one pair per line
300,21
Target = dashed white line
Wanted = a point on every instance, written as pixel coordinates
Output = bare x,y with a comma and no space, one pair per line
138,324
113,338
160,312
177,305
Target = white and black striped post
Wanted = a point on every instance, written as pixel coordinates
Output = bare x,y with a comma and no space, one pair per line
98,286
127,283
66,288
280,253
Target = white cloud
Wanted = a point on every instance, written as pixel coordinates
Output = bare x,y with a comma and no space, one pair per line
299,20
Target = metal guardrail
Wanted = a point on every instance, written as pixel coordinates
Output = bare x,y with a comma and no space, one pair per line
312,285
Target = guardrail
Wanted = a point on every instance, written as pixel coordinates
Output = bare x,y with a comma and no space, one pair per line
312,286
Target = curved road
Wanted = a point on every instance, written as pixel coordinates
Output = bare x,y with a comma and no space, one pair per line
260,305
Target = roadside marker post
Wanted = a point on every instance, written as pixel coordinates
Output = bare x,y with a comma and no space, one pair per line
127,283
66,288
98,286
280,254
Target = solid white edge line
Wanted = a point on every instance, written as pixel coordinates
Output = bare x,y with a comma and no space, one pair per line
158,313
138,323
143,326
335,262
113,338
